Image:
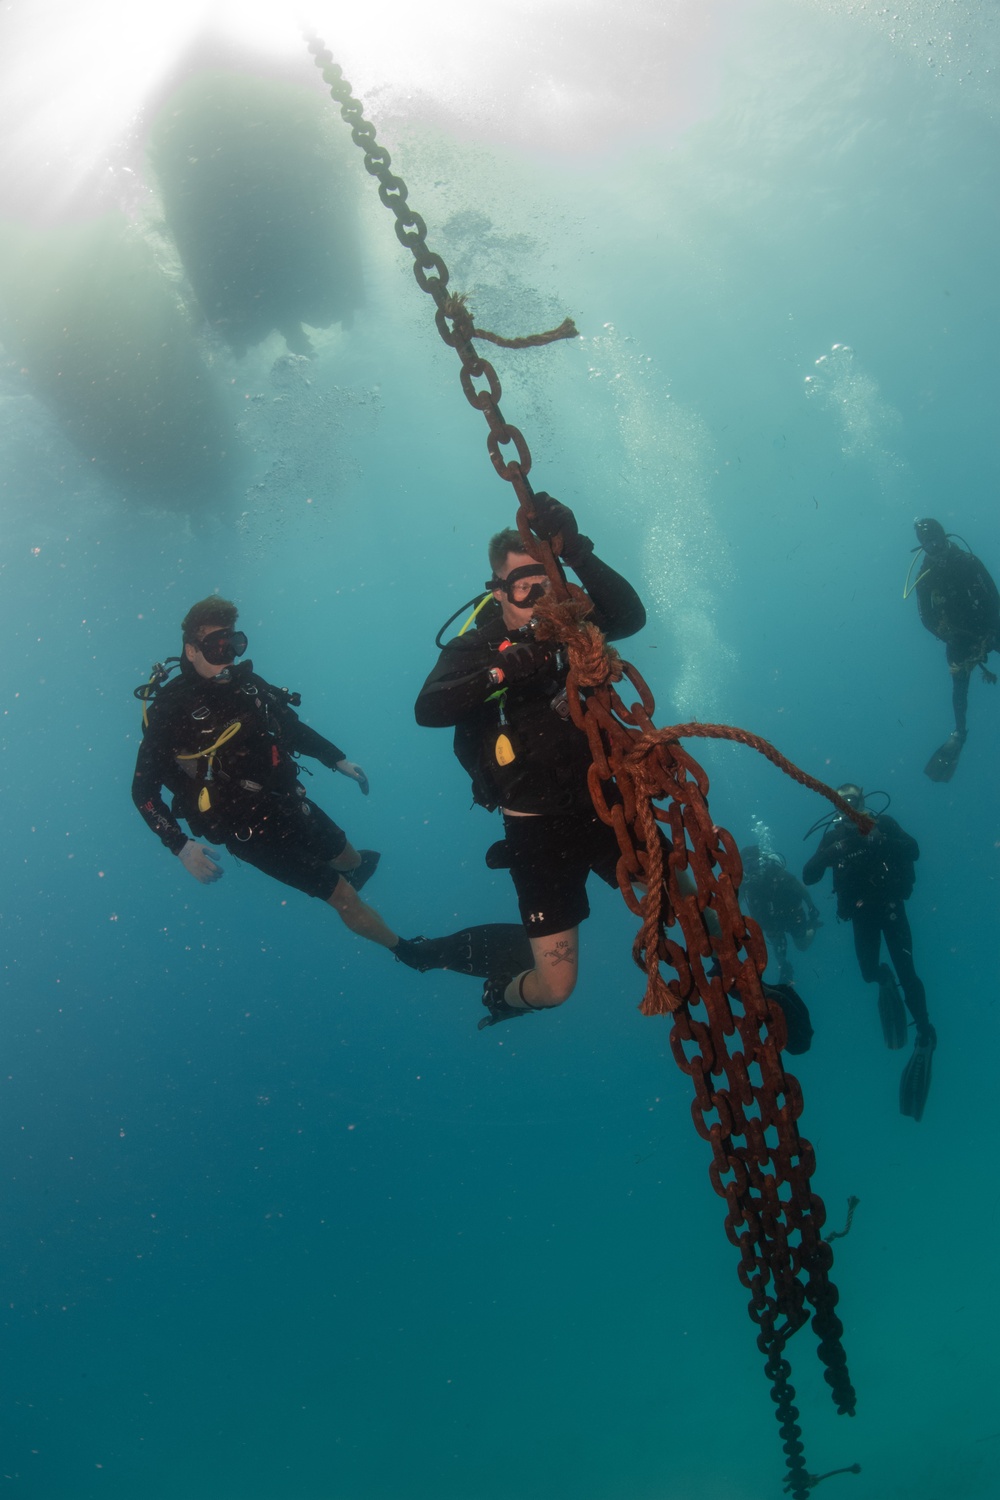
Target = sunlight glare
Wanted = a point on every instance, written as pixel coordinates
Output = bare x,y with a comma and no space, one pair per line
77,87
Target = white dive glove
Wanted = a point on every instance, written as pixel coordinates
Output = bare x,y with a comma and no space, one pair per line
200,862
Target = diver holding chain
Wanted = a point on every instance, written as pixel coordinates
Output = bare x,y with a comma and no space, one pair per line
504,693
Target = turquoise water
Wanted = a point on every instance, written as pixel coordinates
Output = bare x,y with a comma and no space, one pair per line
277,1221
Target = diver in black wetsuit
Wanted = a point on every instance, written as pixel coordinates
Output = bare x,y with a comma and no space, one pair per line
505,694
959,603
224,742
779,905
873,876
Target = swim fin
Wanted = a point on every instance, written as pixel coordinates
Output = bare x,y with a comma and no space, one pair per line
941,766
915,1084
362,873
494,998
797,1019
891,1010
490,949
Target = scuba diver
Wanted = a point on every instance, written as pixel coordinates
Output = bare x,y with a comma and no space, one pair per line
780,906
224,742
873,876
959,603
504,692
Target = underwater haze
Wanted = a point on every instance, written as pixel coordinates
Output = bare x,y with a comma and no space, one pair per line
278,1222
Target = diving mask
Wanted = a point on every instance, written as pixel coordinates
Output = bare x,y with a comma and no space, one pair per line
852,794
220,648
931,535
523,586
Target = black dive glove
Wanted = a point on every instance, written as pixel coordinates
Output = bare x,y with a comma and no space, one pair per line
516,661
552,519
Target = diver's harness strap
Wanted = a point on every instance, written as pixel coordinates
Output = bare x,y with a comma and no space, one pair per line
209,754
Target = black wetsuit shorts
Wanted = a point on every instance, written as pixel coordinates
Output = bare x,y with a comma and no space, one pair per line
550,858
293,841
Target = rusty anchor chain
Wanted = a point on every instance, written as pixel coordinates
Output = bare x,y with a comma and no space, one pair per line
726,1035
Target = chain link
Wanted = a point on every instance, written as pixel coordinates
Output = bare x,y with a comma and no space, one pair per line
726,1035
